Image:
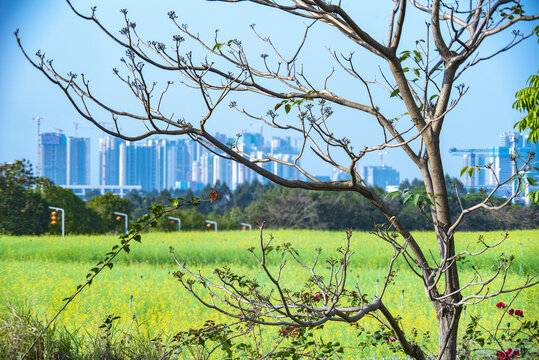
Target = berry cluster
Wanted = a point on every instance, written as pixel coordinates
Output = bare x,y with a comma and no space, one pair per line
391,277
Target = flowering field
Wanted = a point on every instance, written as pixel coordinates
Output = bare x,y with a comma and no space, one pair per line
44,270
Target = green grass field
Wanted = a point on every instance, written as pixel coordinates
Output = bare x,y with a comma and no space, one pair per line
44,270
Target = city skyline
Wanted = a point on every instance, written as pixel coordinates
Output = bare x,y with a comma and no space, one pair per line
158,164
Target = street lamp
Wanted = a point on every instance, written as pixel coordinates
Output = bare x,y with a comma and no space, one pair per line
212,222
63,218
179,222
118,218
245,225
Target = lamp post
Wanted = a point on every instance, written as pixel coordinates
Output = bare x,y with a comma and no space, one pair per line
212,222
125,216
63,218
245,225
179,222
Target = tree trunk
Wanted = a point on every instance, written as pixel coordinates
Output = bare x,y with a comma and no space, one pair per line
447,314
448,319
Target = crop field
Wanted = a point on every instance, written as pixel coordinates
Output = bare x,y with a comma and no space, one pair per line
41,271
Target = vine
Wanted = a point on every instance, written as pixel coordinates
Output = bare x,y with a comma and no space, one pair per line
143,223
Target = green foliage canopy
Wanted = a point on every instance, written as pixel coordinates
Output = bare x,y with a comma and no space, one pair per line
22,211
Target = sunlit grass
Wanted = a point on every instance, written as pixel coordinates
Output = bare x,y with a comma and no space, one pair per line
44,270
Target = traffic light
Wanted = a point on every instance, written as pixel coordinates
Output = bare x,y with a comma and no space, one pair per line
53,218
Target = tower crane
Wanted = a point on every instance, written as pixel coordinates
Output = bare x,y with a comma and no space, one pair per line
39,161
382,153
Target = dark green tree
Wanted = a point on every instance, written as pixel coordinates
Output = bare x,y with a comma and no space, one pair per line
105,206
78,218
22,211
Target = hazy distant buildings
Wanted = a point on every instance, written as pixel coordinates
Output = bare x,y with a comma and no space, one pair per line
54,157
382,176
66,161
78,161
498,159
109,160
184,164
159,164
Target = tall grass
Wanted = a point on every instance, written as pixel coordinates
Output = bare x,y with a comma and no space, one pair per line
44,270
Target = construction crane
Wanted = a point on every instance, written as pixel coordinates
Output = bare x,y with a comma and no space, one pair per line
39,162
473,153
382,153
454,151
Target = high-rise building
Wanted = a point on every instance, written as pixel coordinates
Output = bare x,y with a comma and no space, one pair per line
162,164
78,161
499,161
54,157
109,160
381,176
222,170
150,168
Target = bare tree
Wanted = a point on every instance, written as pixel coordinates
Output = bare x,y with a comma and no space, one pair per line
424,80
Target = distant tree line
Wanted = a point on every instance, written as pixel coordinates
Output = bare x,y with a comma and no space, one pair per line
25,201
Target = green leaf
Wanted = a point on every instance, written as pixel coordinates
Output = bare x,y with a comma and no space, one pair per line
406,198
137,237
471,170
393,194
463,170
395,92
534,197
405,55
531,181
277,106
287,108
126,249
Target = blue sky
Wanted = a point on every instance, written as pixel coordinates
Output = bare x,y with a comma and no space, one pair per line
76,46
